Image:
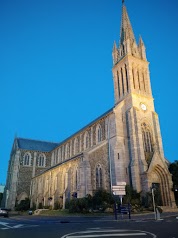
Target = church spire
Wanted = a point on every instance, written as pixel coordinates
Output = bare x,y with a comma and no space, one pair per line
127,44
126,32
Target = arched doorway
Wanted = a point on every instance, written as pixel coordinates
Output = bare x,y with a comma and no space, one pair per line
160,181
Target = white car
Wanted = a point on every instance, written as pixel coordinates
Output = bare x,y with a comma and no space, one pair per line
4,212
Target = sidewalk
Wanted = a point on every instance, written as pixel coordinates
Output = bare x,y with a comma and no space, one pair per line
147,216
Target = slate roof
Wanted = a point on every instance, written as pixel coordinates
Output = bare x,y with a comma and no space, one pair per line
44,146
91,123
29,144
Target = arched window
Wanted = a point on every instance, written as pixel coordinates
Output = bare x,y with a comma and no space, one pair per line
55,156
138,77
64,181
63,152
126,75
76,179
122,77
118,83
41,160
59,155
147,141
52,159
86,140
99,134
133,76
99,177
55,183
46,185
27,159
76,146
67,151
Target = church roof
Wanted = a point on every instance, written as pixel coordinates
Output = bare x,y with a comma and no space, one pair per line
29,144
45,146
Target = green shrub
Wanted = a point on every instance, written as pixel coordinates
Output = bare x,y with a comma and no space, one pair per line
40,206
56,205
78,205
24,205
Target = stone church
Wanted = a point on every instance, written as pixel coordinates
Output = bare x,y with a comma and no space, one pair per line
122,145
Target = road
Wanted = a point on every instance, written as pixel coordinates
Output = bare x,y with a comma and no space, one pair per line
87,227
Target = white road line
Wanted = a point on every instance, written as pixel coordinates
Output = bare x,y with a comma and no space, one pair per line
17,226
100,231
106,235
14,227
5,224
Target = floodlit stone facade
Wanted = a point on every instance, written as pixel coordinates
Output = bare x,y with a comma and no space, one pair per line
122,145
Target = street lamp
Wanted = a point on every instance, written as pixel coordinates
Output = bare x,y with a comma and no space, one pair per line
153,198
175,189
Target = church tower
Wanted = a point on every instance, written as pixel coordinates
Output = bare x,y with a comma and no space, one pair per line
139,143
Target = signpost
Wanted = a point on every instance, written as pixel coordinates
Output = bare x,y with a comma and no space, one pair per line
119,189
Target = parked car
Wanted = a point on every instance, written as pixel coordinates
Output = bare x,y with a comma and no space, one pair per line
4,212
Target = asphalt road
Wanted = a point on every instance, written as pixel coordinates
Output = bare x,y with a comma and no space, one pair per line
88,227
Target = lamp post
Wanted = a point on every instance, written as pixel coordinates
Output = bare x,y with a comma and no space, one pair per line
175,192
153,198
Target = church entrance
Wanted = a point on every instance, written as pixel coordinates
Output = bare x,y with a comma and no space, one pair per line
160,183
157,194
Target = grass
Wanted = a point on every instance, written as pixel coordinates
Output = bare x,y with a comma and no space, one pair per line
67,213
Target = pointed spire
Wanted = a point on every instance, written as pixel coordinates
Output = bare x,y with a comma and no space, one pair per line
126,28
141,43
115,53
114,46
141,47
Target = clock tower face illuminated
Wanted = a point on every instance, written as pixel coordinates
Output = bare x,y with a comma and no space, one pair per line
143,106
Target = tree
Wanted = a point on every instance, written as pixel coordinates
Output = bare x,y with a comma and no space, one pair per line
102,199
173,169
1,196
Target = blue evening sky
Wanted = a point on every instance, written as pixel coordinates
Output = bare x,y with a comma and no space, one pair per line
55,66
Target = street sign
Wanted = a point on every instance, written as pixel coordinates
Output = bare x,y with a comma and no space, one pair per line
121,183
119,189
120,193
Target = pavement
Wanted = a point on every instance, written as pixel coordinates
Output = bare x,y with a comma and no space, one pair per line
71,218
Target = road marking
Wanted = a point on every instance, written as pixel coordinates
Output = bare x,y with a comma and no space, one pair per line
5,224
15,227
106,235
18,226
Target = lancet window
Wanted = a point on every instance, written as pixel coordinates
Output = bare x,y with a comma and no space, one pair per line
99,177
41,160
86,140
27,159
99,134
147,141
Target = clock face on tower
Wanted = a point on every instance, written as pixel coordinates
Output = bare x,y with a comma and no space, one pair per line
143,106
